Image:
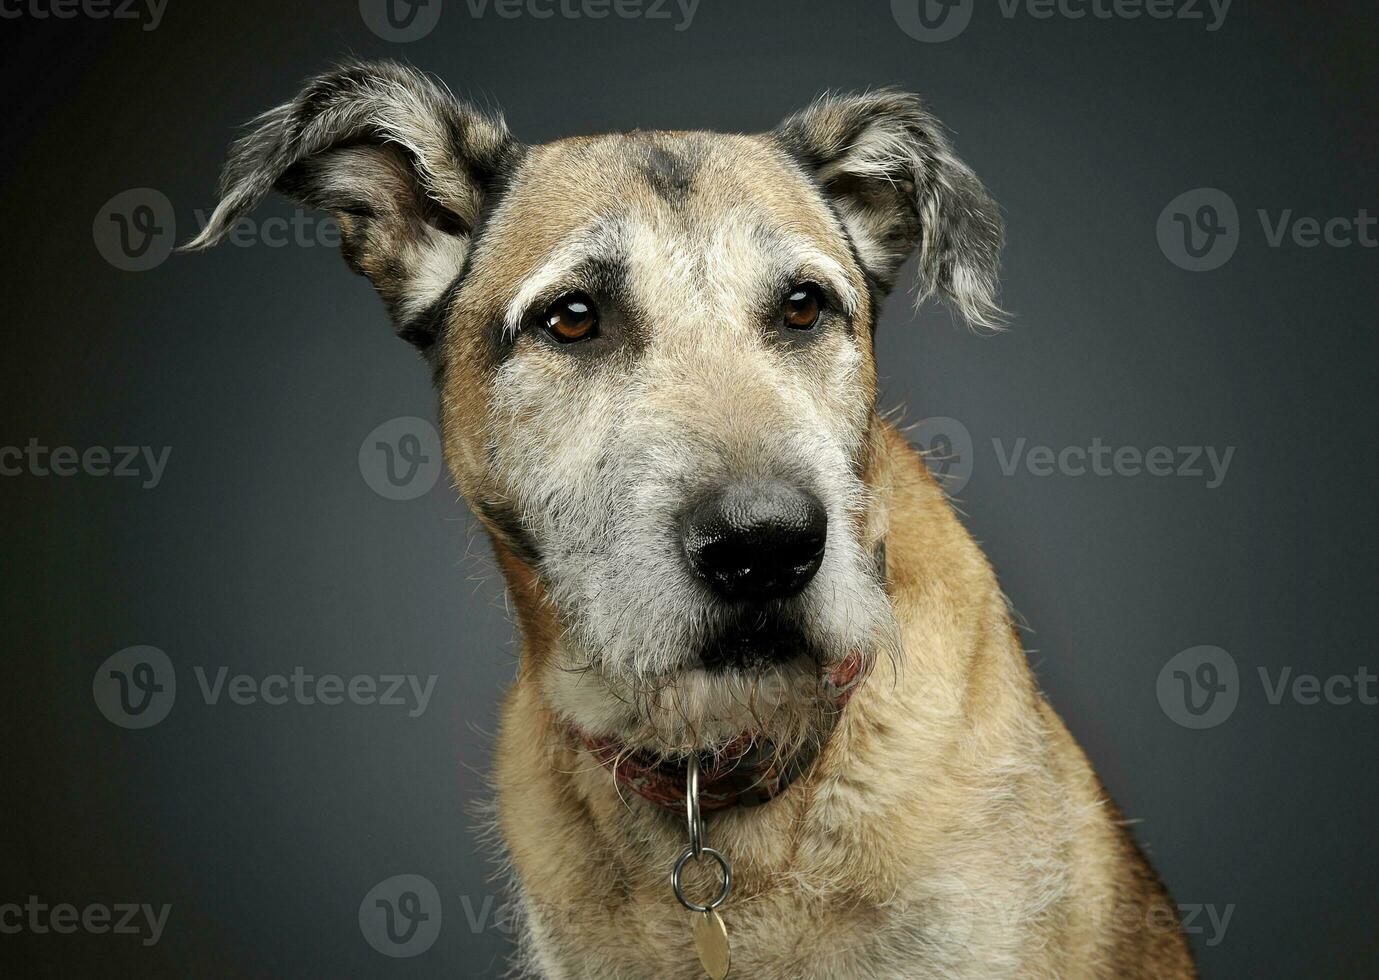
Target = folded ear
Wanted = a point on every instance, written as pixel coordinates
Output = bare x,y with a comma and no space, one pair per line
404,165
889,170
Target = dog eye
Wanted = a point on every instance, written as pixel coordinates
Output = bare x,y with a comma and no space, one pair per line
572,318
802,306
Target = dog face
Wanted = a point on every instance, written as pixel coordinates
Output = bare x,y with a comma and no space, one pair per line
654,354
659,385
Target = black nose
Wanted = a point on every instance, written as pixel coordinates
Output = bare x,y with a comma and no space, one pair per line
761,540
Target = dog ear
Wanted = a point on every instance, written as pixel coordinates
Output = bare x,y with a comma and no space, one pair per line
886,165
404,165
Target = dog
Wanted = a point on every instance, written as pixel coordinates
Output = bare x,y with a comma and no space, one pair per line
658,393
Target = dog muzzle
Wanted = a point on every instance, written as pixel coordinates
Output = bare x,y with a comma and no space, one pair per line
746,772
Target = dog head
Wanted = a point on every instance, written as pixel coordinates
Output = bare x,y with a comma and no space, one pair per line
655,363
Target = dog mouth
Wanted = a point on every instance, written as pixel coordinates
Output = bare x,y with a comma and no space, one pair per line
755,640
748,769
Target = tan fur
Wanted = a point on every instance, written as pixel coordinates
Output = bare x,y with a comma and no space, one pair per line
949,826
952,828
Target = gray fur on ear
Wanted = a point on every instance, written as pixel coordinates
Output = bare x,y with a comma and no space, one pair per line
403,164
887,166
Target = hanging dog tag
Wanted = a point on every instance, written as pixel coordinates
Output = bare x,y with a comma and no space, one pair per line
710,934
711,940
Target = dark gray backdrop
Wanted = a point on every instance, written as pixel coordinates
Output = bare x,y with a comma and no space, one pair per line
264,548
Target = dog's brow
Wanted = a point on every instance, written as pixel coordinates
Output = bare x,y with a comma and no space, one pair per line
603,241
806,259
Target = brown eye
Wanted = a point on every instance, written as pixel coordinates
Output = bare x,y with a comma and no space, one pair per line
572,318
803,304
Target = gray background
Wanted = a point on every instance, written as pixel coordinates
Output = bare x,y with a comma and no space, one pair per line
264,368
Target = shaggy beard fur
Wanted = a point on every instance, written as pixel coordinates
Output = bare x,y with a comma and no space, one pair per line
628,663
672,715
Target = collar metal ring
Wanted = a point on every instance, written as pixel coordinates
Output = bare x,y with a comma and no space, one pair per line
692,814
723,889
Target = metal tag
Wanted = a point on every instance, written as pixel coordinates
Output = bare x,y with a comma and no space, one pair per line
711,940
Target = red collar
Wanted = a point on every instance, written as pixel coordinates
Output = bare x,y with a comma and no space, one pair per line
748,771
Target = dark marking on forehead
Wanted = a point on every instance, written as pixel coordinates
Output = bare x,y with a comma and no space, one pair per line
670,172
